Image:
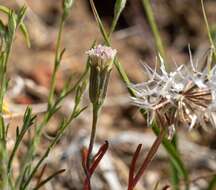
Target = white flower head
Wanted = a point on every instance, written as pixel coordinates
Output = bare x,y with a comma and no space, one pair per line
101,61
102,55
182,97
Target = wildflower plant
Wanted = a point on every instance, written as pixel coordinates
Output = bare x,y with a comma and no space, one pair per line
101,59
176,161
183,97
29,167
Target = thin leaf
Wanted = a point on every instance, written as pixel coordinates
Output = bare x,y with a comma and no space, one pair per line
4,9
133,166
48,179
100,24
152,22
25,33
119,7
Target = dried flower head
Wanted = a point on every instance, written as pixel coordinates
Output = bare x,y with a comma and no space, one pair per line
183,97
101,61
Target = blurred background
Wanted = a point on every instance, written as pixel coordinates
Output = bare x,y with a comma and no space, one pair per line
180,23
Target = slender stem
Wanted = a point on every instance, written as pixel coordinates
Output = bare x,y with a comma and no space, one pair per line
57,62
149,157
174,171
3,77
208,31
3,85
207,24
93,133
152,22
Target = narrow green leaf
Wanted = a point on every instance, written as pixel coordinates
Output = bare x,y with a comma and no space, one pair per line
119,7
2,29
21,14
25,33
48,179
100,24
207,24
12,23
4,10
211,40
154,28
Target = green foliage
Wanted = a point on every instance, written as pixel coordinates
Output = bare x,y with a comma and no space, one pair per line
154,27
28,170
29,167
119,7
67,4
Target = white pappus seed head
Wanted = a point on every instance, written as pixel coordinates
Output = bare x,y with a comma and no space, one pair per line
185,96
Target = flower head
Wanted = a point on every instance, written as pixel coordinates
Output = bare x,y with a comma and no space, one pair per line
101,61
102,56
182,97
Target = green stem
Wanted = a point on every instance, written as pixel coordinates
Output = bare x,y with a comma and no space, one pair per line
152,22
209,32
207,24
57,62
6,178
174,174
4,70
93,133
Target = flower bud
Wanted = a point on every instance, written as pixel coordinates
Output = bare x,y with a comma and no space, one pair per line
67,4
101,61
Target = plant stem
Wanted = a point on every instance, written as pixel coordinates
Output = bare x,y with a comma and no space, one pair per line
149,157
93,133
152,22
174,171
57,62
207,24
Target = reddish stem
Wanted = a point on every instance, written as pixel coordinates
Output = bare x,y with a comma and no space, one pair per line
132,167
149,156
90,170
147,160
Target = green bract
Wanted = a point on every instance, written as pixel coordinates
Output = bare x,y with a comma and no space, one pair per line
101,61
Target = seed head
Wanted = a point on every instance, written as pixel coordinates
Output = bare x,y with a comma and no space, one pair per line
184,97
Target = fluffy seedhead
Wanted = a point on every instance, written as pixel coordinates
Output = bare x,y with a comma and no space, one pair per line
184,97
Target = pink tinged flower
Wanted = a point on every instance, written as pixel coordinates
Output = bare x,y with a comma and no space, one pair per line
102,55
101,61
